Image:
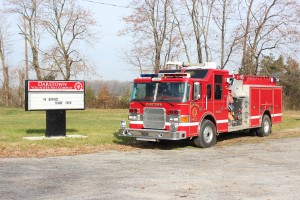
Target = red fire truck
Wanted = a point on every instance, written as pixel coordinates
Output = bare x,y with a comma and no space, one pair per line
199,102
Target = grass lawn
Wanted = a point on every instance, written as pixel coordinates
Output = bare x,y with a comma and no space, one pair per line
101,127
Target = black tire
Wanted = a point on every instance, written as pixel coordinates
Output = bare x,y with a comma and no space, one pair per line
253,131
207,135
266,127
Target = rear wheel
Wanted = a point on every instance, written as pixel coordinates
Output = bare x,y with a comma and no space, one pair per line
253,131
266,127
207,135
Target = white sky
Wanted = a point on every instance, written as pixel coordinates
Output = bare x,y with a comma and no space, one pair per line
105,54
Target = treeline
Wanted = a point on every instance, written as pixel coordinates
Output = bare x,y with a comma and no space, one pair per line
110,94
223,31
107,94
52,32
115,94
288,73
235,34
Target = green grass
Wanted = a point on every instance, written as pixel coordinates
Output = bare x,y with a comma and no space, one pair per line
290,126
291,120
101,127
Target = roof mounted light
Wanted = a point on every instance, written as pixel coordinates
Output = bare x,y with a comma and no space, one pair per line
211,65
156,79
178,64
149,75
175,75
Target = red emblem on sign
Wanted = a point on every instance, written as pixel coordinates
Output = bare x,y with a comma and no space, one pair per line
78,86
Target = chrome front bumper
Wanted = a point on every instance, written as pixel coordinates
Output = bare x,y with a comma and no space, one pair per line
152,135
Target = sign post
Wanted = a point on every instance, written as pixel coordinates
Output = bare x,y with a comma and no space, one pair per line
55,97
55,123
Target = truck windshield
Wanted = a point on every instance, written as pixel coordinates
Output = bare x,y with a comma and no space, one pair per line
159,92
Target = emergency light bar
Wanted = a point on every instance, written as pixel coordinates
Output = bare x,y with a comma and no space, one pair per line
149,75
208,65
175,75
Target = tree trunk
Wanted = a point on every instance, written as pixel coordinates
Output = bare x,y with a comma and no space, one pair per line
21,88
6,90
35,63
245,64
157,59
223,34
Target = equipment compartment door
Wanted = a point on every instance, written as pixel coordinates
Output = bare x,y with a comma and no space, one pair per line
277,114
254,107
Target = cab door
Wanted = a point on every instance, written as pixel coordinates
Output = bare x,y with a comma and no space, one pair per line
220,100
196,107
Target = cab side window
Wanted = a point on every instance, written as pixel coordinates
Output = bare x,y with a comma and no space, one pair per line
208,91
218,87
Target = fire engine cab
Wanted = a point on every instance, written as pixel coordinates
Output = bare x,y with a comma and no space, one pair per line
200,101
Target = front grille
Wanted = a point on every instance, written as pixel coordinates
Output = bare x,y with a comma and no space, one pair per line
154,118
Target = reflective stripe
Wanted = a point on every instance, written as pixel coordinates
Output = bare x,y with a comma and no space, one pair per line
276,115
181,124
136,122
272,115
222,121
167,123
255,117
197,123
189,124
184,124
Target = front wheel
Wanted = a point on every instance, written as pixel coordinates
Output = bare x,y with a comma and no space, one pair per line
207,135
266,127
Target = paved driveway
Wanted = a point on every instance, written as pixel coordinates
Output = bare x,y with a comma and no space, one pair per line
268,170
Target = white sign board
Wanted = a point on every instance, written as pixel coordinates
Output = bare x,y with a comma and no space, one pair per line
54,95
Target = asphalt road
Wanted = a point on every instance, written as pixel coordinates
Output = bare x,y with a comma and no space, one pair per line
268,170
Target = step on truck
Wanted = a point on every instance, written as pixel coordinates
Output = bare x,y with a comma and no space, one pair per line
200,101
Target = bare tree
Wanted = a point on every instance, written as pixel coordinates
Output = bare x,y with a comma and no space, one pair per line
29,11
172,49
4,64
194,14
21,87
133,58
207,7
245,36
222,10
183,35
149,25
68,24
267,26
200,12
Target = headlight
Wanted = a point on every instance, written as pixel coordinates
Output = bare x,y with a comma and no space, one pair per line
174,119
133,117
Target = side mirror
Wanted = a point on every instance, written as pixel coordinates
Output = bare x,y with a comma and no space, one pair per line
229,81
197,93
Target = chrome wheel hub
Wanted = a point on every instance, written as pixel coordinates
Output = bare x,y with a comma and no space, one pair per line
266,126
208,134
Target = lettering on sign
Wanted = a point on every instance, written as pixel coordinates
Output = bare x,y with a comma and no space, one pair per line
55,86
55,95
